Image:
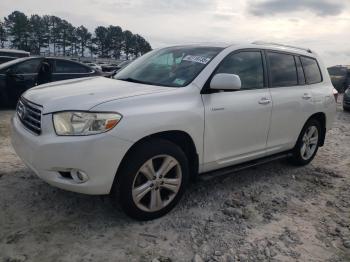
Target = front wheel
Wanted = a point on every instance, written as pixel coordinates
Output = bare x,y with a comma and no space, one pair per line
152,179
307,144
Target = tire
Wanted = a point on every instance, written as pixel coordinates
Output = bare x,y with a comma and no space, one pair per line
347,109
303,155
137,187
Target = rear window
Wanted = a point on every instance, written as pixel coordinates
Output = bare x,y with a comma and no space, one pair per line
311,69
283,70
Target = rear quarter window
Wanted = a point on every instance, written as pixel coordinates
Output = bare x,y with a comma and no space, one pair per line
311,70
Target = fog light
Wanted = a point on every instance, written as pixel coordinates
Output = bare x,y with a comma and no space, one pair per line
79,176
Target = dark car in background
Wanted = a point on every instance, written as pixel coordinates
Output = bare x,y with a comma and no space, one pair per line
11,54
346,99
123,64
114,67
109,67
21,74
4,59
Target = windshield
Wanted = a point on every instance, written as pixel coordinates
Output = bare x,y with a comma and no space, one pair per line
173,66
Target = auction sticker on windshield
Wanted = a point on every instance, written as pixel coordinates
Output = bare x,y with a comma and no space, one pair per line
197,59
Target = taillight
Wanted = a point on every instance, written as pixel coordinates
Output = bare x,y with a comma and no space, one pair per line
335,93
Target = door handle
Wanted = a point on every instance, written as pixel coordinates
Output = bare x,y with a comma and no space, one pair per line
306,96
264,101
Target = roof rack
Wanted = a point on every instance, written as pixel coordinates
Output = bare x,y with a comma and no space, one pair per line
282,45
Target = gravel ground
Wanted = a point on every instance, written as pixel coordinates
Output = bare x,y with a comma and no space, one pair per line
274,212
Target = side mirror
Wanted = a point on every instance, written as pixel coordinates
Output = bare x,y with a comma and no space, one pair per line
225,82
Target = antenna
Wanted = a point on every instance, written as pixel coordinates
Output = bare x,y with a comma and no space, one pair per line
281,45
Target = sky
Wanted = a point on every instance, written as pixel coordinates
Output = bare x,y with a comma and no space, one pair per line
322,25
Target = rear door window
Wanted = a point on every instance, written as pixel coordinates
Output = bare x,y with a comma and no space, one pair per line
68,67
282,69
311,69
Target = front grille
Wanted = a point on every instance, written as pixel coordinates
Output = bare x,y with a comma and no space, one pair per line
30,115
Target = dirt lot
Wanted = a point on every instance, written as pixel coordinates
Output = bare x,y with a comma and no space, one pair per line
275,212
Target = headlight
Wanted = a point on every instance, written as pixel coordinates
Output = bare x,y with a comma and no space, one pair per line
84,123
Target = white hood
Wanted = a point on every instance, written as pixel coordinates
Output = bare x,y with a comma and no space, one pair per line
85,93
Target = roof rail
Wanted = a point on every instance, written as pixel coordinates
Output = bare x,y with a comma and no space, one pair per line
281,45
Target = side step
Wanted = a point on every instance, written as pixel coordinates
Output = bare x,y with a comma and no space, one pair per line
231,169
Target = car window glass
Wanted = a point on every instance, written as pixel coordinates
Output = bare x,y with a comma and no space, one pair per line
70,67
311,69
27,67
173,66
301,77
283,70
247,65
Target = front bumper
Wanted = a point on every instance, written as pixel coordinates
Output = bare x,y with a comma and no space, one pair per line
98,156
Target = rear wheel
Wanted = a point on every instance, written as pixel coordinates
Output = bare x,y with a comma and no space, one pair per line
152,179
307,144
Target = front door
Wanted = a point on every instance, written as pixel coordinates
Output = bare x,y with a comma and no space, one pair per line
237,122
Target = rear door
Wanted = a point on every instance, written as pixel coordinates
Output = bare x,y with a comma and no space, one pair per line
64,69
237,122
292,100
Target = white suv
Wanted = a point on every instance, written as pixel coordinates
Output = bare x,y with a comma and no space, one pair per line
172,114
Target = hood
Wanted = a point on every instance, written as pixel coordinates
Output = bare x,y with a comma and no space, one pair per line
85,93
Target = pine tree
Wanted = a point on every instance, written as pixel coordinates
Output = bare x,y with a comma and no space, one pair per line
18,28
83,38
3,35
38,36
52,32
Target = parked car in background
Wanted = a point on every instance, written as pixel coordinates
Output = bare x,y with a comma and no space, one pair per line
346,99
11,54
18,75
14,53
123,64
94,66
109,67
171,115
4,59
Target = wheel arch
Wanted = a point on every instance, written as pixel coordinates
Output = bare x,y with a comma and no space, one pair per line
321,118
180,138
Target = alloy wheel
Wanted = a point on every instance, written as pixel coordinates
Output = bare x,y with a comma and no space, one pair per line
309,142
156,183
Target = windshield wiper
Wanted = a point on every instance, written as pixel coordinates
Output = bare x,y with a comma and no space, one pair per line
129,79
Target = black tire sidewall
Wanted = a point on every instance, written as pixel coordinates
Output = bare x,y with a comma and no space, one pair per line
133,162
297,158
